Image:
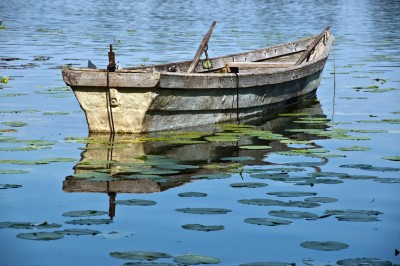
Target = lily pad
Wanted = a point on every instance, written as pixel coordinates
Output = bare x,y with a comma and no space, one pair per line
15,123
364,261
12,172
211,176
292,194
78,232
44,236
223,138
204,210
8,186
262,202
354,148
238,159
248,185
148,264
192,194
388,180
255,147
200,227
391,158
272,263
193,259
139,255
321,199
89,221
84,213
93,174
350,215
293,214
369,167
28,225
324,245
267,221
271,202
272,176
136,202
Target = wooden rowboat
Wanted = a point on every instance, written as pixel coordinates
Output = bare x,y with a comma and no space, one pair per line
199,92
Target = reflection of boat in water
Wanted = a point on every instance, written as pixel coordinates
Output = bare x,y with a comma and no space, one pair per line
125,163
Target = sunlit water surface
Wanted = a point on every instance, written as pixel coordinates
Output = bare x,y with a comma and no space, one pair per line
349,165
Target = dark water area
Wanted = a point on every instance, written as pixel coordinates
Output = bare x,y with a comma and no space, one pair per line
317,185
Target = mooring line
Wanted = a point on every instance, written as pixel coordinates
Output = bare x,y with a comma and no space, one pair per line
237,98
109,107
334,82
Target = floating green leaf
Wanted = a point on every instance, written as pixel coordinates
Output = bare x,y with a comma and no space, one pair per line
255,147
293,141
204,210
293,214
84,213
271,202
321,199
364,261
371,168
267,221
388,180
55,113
136,202
78,232
312,120
200,227
350,215
238,159
354,148
268,264
324,245
385,121
294,114
15,123
44,236
28,225
391,158
148,264
12,171
139,255
248,185
8,186
89,221
223,138
92,174
211,176
273,176
193,259
292,194
192,194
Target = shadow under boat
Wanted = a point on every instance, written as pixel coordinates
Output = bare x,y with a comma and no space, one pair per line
126,163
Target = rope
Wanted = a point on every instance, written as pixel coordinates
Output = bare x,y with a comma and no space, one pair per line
109,108
334,82
237,98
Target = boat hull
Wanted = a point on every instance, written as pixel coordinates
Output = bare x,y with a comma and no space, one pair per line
139,100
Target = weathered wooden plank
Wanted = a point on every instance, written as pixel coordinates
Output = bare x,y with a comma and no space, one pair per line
311,47
117,79
201,48
259,64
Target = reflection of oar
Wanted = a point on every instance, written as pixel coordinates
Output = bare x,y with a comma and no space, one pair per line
202,46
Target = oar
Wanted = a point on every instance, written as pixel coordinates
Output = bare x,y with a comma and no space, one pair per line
202,46
311,47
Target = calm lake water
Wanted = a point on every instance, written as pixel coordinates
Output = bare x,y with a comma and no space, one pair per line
325,191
